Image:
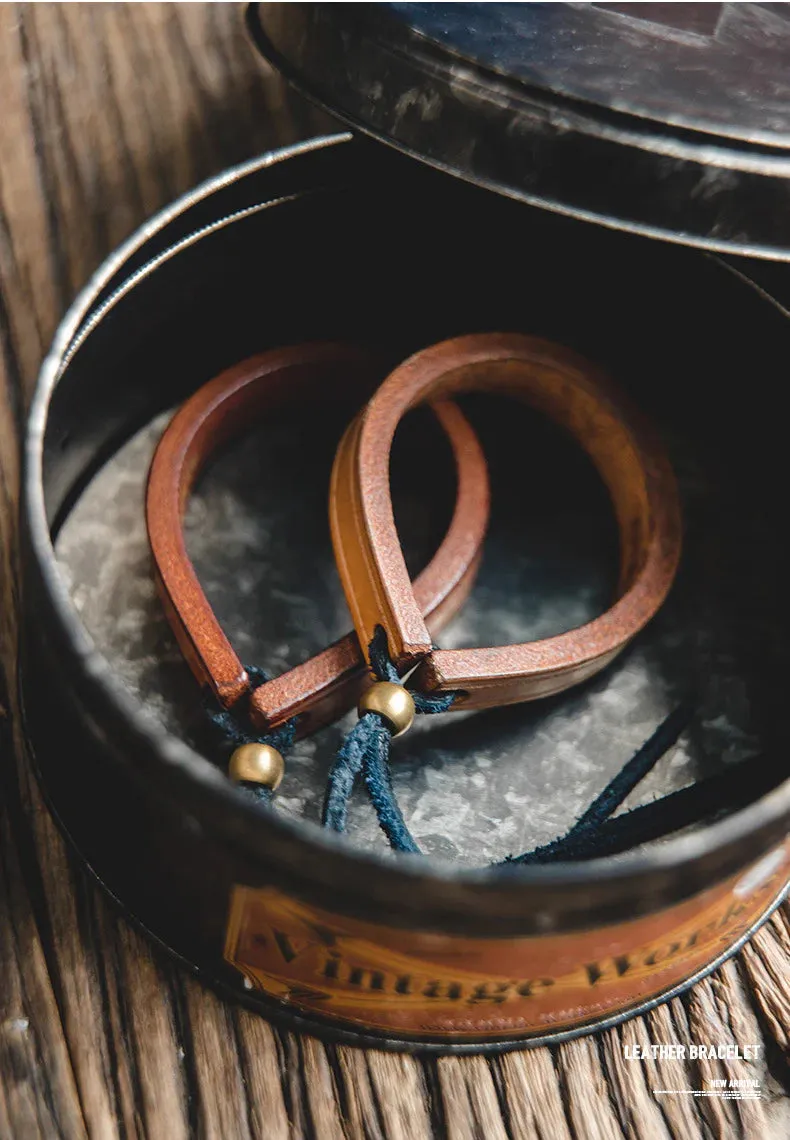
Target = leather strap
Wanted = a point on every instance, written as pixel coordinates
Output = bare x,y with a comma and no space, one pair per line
627,454
329,683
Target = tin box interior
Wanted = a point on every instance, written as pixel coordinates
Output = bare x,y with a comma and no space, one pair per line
339,240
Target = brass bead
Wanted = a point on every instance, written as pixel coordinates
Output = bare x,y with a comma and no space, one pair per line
257,764
392,702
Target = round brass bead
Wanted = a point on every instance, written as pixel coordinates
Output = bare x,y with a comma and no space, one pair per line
256,764
392,702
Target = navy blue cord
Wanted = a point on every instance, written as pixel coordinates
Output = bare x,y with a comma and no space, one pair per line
383,670
670,813
596,833
366,750
348,763
378,779
628,777
237,728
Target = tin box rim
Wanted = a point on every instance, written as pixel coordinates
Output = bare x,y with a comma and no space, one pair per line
689,186
704,856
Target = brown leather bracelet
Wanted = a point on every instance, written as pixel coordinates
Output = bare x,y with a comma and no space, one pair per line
329,683
627,454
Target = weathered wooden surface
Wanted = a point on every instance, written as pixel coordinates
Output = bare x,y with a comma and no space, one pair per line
106,112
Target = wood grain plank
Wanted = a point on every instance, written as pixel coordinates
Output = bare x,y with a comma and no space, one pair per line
358,1095
27,290
145,1039
38,1092
586,1092
668,1024
471,1105
262,1061
765,960
293,1086
321,1091
534,1100
219,1085
629,1083
73,953
401,1090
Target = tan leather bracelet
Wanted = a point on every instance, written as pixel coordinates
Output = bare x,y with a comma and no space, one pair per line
329,683
625,451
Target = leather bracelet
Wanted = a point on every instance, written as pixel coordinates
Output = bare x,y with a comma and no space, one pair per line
329,683
627,454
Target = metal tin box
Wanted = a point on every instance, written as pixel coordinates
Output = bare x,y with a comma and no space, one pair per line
340,238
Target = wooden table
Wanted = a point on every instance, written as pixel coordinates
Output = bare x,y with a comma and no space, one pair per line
106,112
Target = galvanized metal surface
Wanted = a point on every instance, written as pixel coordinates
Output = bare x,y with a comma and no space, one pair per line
474,788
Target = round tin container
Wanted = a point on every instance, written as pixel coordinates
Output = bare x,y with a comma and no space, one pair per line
352,241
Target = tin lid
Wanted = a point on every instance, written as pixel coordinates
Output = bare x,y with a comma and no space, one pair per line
666,119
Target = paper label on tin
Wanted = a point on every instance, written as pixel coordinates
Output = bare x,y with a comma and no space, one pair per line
414,983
